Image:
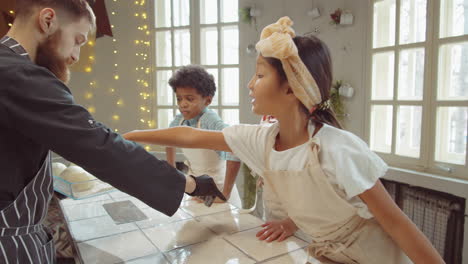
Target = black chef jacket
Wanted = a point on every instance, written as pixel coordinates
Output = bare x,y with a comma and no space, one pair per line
38,113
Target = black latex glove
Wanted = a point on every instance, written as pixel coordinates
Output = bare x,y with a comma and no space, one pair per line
206,189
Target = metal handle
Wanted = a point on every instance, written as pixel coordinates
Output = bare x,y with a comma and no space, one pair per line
444,168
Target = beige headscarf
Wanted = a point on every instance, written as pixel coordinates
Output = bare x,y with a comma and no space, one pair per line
276,41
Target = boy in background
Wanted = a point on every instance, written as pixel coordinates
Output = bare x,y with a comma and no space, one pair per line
194,88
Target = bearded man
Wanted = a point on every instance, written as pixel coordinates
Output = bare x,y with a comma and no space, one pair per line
38,114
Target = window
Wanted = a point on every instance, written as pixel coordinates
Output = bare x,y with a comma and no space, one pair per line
418,79
204,32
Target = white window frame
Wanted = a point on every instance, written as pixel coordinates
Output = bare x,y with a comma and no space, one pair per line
195,53
426,162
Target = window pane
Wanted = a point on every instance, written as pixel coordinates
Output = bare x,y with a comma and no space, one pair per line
163,90
408,137
229,10
382,76
209,46
182,47
230,87
453,18
381,128
384,23
411,74
163,49
451,135
165,116
231,116
181,13
230,48
453,72
214,72
162,13
413,21
208,11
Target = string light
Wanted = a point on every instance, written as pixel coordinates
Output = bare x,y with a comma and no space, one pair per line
92,109
143,44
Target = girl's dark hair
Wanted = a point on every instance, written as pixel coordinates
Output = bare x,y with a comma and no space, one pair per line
194,76
315,55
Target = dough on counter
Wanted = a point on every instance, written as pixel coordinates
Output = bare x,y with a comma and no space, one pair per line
81,179
58,168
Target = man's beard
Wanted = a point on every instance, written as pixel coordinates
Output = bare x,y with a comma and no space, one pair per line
48,56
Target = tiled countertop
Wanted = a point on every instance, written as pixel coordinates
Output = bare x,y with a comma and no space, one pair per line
196,234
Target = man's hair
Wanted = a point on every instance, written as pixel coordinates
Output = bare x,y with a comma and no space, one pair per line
74,9
194,76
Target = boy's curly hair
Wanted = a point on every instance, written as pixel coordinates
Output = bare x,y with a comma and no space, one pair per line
194,76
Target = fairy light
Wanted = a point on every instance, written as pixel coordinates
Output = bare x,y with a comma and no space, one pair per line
143,70
92,109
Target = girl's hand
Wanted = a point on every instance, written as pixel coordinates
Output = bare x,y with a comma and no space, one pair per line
218,200
277,230
196,199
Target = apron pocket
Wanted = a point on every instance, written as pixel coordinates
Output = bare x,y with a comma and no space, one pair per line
48,249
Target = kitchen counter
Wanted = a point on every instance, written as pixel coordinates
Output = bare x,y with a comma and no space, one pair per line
196,234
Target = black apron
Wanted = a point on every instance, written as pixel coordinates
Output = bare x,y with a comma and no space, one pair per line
23,237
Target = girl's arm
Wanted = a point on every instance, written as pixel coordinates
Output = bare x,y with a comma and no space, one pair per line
170,156
404,232
183,137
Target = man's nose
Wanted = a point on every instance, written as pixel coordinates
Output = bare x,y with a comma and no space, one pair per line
75,56
73,59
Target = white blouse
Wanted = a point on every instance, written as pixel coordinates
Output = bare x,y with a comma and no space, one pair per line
346,160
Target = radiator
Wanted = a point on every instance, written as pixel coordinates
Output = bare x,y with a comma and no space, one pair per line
440,216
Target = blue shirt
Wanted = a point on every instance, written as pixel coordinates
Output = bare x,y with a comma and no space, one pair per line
209,120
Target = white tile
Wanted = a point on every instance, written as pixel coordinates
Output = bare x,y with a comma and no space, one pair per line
229,222
118,194
296,257
199,209
134,200
213,251
85,211
261,250
116,249
156,218
153,259
69,201
178,234
97,227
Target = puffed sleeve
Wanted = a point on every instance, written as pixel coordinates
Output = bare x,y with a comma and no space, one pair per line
357,168
248,143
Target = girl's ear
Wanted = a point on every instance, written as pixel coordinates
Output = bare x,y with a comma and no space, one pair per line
286,88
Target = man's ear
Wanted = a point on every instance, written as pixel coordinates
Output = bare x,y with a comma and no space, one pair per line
48,21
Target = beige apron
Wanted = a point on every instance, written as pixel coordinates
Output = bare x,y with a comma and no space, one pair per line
339,233
205,161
